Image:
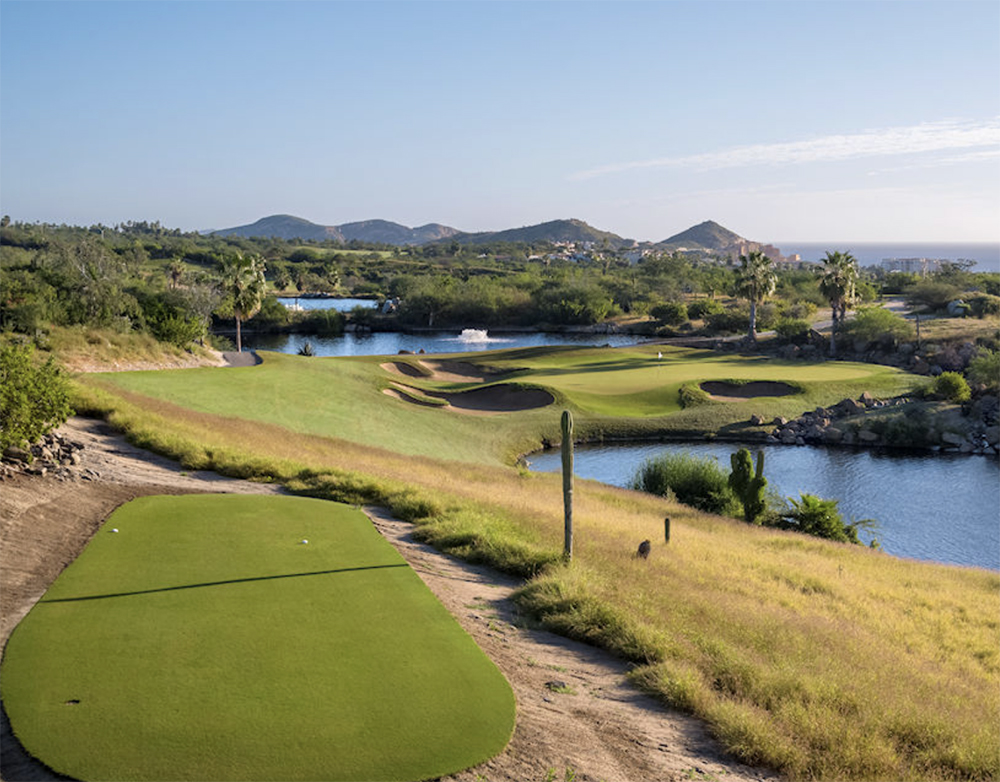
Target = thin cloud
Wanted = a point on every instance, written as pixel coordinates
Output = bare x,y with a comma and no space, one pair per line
926,137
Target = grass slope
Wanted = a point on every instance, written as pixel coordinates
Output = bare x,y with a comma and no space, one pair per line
621,392
205,641
822,660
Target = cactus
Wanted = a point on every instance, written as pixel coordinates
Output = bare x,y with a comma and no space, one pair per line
748,487
567,472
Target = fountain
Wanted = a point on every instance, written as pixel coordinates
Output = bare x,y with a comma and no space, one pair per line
474,335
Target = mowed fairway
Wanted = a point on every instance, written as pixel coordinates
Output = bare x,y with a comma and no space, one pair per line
204,640
629,389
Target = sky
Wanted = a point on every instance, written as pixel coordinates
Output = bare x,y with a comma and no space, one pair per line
783,121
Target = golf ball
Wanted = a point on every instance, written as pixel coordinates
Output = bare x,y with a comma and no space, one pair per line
304,540
115,529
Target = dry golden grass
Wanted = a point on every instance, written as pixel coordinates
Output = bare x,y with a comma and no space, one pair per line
823,660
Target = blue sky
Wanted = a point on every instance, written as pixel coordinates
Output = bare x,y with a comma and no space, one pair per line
804,121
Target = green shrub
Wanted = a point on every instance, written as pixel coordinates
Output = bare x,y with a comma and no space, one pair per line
932,294
734,320
985,368
700,482
952,387
876,324
819,517
792,328
983,304
34,398
701,308
673,313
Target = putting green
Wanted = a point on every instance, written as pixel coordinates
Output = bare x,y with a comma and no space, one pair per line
205,640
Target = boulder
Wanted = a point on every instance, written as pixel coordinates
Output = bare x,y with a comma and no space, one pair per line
779,421
849,406
832,434
787,436
867,436
867,399
992,435
756,420
952,438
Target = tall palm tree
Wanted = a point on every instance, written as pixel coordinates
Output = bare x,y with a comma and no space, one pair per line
755,281
243,280
840,276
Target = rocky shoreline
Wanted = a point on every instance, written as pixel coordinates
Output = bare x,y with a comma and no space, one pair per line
896,422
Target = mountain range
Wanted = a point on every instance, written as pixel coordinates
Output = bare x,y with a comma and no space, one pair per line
708,235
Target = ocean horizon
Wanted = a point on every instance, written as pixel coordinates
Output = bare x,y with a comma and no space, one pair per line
986,255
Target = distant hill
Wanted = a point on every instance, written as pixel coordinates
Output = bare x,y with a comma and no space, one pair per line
284,227
708,235
552,231
290,227
394,233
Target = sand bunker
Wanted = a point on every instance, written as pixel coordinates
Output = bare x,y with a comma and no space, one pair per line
503,398
395,393
455,371
719,389
402,368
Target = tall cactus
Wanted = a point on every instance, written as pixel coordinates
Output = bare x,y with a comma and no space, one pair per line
748,487
567,473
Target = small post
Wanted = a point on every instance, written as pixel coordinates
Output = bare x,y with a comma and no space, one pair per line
666,529
918,331
567,474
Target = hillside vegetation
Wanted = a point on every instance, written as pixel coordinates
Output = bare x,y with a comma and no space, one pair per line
822,660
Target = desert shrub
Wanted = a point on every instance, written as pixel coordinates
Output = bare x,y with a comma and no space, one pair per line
701,308
791,328
814,516
735,320
985,368
876,324
983,304
801,310
307,349
700,482
673,313
34,397
169,320
952,387
932,294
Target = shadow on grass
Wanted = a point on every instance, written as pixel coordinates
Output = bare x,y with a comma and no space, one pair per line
220,583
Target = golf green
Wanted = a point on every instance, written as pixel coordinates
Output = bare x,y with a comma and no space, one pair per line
219,637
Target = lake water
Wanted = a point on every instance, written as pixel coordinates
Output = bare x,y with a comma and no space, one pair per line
341,305
935,507
387,343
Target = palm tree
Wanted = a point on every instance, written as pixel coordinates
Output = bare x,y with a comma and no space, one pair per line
755,281
243,280
840,274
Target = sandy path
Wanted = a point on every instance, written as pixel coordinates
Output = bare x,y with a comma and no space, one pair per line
606,731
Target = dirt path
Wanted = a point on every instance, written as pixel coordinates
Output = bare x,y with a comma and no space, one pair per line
605,731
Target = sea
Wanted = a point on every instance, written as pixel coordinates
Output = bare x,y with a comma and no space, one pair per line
986,256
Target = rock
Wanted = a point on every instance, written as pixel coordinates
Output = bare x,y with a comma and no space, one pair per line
952,438
74,457
813,434
906,348
779,421
800,441
992,435
867,399
867,436
920,366
849,406
787,436
16,454
936,370
756,420
965,447
832,434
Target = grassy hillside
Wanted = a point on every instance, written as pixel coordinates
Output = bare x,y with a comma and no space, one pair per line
822,660
223,637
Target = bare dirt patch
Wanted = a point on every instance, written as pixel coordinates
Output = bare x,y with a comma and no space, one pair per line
607,730
734,392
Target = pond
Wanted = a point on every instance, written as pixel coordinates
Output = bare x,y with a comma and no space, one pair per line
326,303
386,343
939,507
